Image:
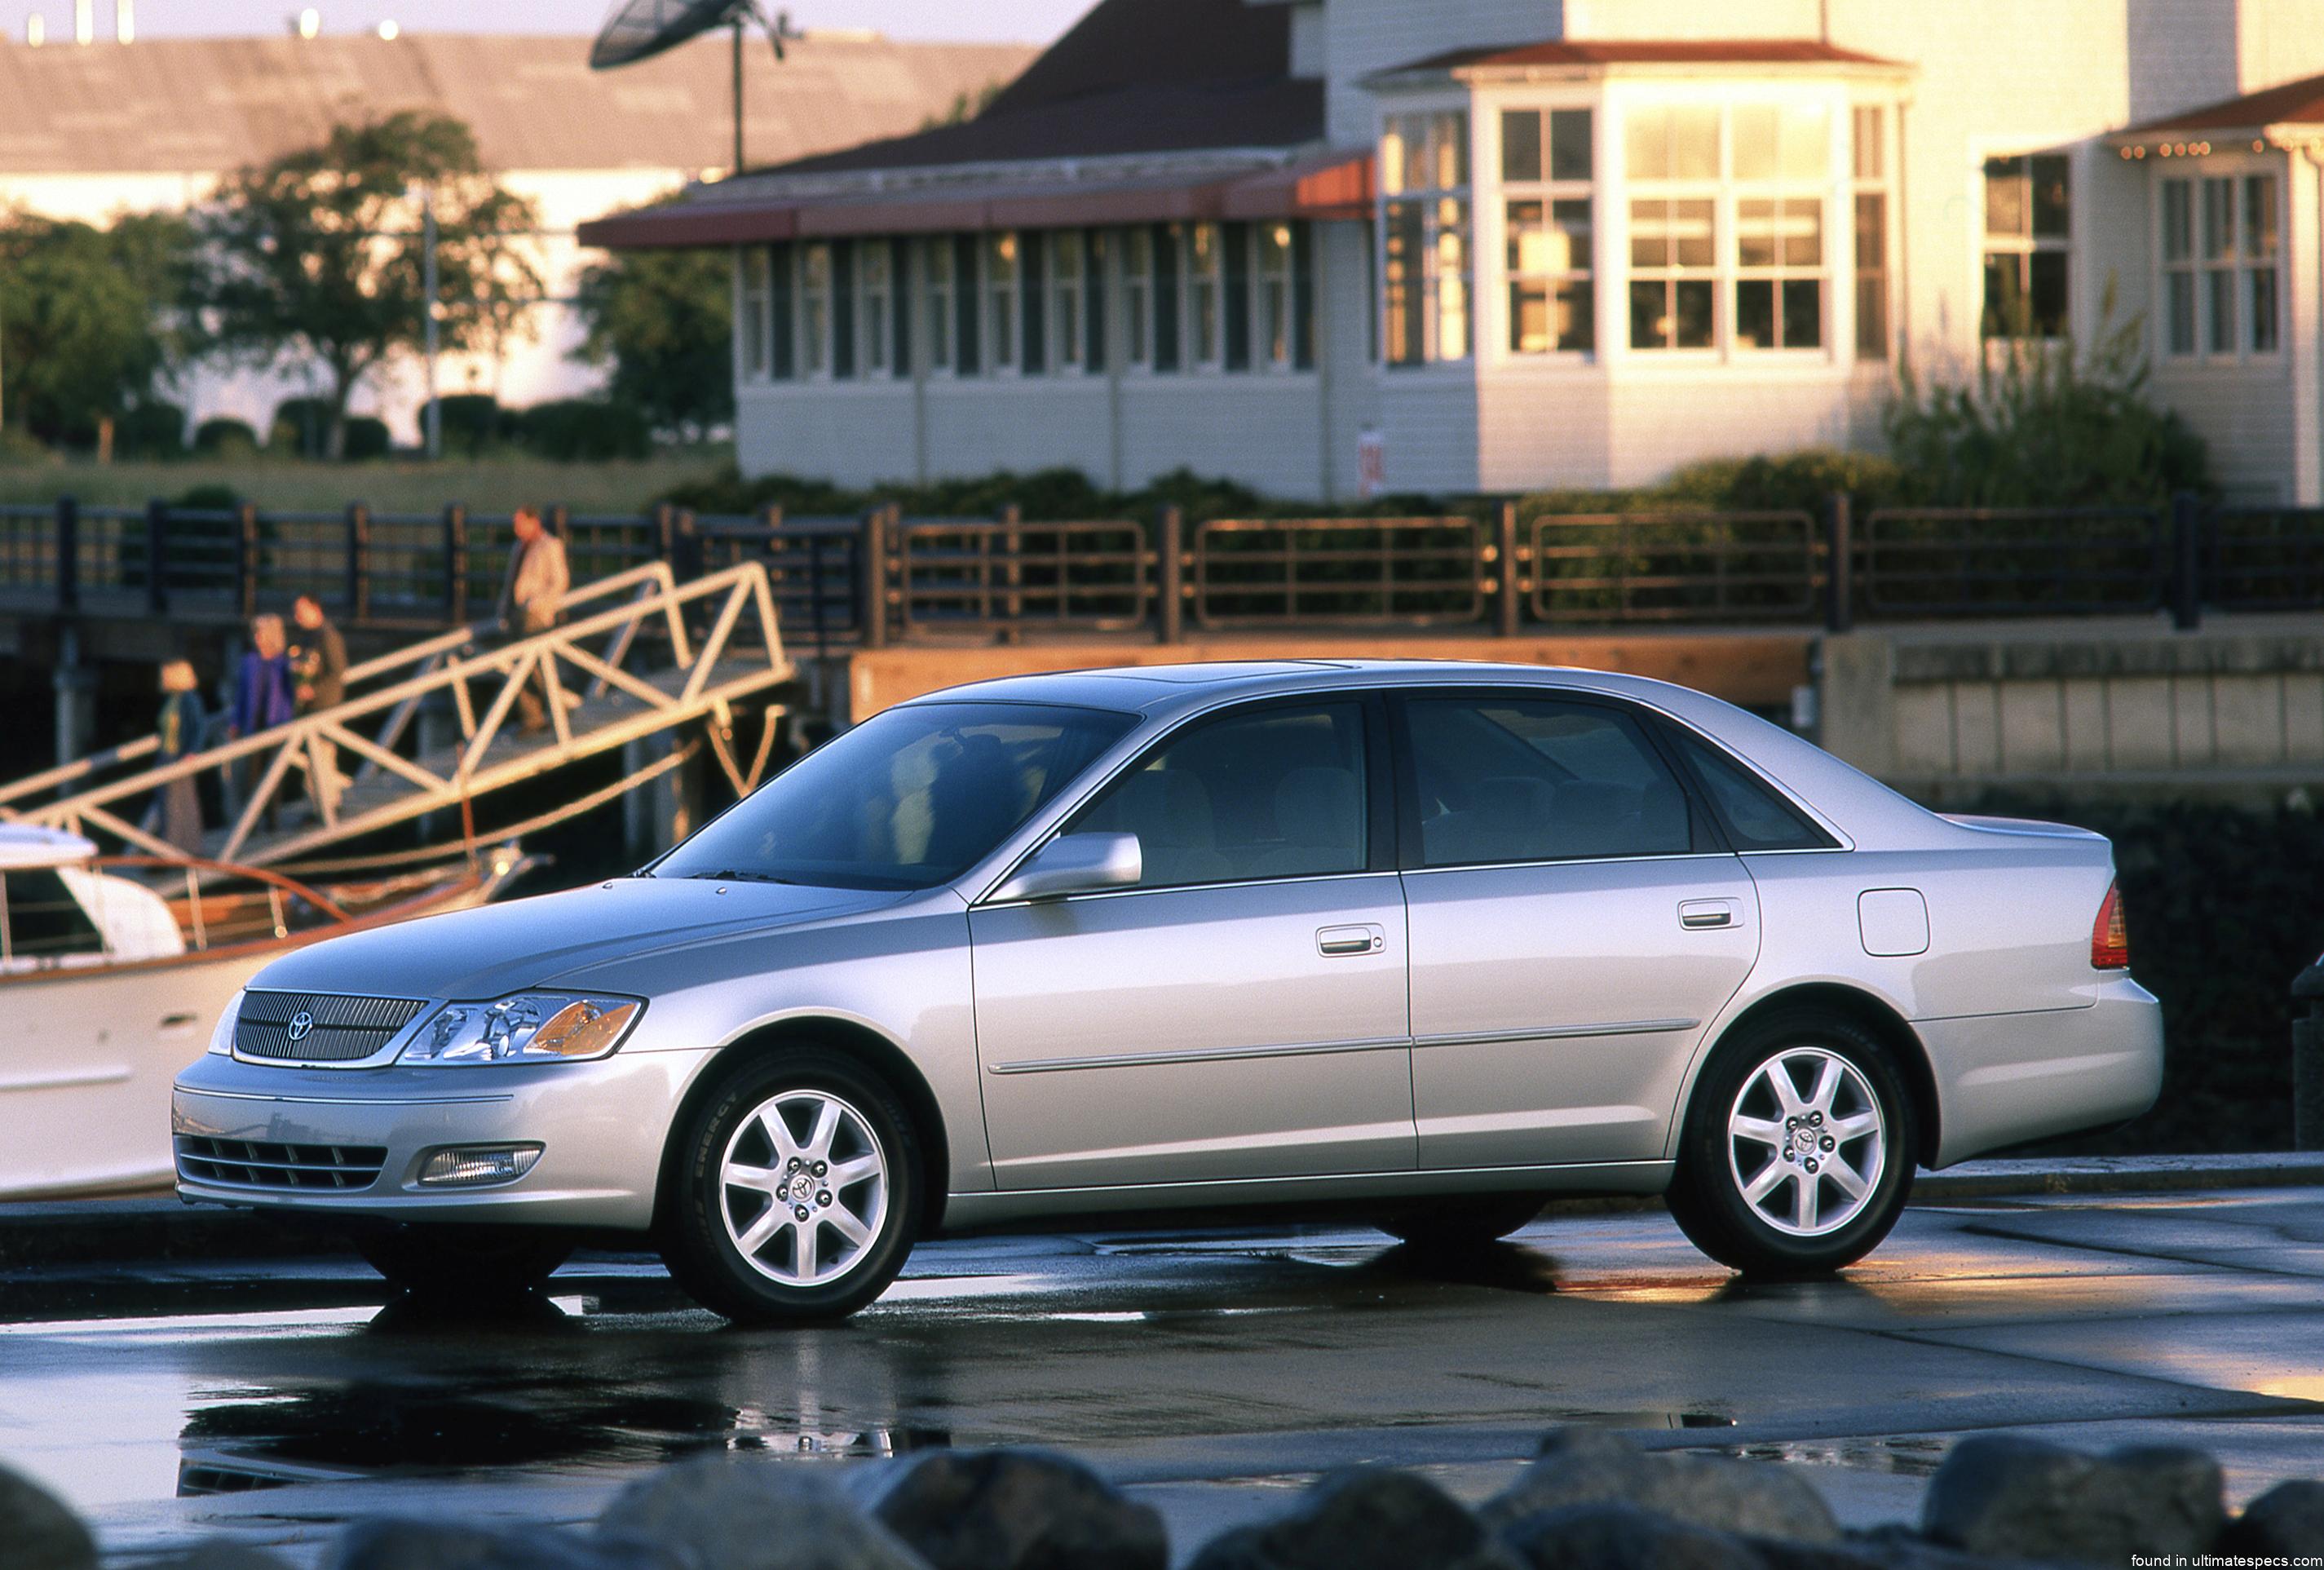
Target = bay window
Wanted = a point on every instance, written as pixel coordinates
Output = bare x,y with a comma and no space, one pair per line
1548,217
1783,162
1423,168
1671,159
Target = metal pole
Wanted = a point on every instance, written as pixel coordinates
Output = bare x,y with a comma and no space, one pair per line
431,284
1171,603
1506,546
1838,614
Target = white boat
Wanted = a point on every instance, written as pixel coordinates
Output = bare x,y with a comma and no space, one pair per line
110,984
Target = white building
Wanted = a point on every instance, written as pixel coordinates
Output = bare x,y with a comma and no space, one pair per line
94,131
1465,244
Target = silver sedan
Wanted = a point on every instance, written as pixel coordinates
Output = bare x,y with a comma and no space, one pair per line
1428,941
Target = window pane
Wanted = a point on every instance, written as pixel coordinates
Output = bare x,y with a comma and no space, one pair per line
2219,311
1449,148
1451,281
1807,145
1395,155
1650,235
2004,197
1521,145
2005,296
2178,312
1569,146
1545,237
2053,211
1755,126
1756,816
2178,220
1273,795
1871,232
1650,317
1695,144
1527,780
1694,318
1803,313
1691,233
1546,317
1402,299
1645,144
1871,316
1754,313
1803,234
1574,312
2218,218
2259,216
2046,293
1755,232
2263,329
1871,154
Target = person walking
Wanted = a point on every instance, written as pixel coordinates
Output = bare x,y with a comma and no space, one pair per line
177,808
263,695
537,581
319,664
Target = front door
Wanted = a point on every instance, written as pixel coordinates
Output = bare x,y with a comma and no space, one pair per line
1240,1012
1574,930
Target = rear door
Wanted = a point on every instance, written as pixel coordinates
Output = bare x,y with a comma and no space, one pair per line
1575,925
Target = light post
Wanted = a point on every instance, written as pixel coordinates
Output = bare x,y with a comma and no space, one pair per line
429,287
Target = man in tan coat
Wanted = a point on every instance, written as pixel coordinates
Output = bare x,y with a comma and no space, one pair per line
538,578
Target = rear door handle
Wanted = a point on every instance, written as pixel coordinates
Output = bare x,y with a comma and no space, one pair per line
1339,942
1696,914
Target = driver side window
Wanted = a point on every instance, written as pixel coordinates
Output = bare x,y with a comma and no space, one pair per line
1280,793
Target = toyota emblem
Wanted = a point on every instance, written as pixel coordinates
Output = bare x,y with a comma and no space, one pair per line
302,1025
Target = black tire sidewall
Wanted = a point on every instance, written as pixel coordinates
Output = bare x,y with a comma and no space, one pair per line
1705,1199
695,1245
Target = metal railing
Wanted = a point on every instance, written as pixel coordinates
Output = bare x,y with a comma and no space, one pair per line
840,582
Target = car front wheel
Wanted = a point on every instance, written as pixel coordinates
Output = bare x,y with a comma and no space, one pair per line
1797,1155
797,1182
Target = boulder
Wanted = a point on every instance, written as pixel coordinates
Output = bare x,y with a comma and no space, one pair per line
38,1531
1604,1535
1599,1466
392,1544
2286,1520
1019,1509
1999,1494
1364,1518
725,1512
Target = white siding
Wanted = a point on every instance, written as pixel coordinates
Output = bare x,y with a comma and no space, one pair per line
1365,36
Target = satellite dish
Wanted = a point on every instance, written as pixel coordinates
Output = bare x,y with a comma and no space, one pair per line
642,29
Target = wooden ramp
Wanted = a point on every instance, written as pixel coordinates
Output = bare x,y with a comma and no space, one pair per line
638,655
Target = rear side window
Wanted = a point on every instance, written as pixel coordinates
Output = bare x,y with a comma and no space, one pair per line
1756,817
1529,780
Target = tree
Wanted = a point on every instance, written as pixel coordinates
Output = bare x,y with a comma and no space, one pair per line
664,321
318,254
84,321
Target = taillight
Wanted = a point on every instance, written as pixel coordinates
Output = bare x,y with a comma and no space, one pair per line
2109,938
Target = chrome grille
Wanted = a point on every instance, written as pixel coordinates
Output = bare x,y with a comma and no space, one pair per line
262,1164
344,1030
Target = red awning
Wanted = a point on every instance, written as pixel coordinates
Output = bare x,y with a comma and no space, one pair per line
1326,185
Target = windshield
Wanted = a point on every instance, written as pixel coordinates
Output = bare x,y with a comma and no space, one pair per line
912,797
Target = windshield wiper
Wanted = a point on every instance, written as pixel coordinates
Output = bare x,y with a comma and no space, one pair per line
731,875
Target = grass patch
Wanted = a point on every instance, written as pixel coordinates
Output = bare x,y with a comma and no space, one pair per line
484,484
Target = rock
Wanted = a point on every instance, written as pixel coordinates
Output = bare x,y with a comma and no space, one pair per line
1599,1466
218,1554
38,1531
1609,1536
2287,1520
1999,1494
389,1544
728,1513
1365,1517
1019,1509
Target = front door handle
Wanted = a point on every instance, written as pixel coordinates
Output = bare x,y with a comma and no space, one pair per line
1697,914
1338,942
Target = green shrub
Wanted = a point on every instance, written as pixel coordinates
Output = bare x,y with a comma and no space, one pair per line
225,439
150,430
575,430
20,448
301,427
368,437
474,424
208,497
2048,426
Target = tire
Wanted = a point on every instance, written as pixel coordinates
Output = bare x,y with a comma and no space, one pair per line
732,1247
1462,1224
444,1261
1739,1136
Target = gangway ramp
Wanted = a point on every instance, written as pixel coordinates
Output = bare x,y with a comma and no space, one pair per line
637,654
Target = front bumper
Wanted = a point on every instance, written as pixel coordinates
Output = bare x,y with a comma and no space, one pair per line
601,1126
2003,1079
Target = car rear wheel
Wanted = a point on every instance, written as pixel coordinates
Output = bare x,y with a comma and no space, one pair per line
798,1183
1460,1223
446,1262
1797,1154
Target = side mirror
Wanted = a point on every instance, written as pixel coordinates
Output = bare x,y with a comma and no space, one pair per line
1076,863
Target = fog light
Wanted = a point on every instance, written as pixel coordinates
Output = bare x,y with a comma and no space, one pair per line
471,1165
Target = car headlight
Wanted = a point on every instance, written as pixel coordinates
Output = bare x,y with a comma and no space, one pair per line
528,1028
222,1036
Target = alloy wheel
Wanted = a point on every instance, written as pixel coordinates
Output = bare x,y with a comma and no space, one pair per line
803,1189
1806,1143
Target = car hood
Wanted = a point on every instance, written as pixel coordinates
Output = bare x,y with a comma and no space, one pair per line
553,938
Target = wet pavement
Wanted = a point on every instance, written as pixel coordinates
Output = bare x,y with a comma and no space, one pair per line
1210,1371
